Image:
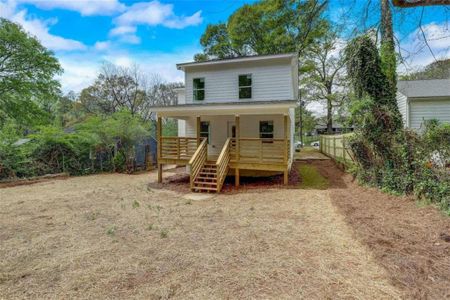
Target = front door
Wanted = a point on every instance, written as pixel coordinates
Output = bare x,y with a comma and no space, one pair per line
231,130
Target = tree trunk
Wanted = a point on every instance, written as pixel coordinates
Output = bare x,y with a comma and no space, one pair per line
387,51
329,116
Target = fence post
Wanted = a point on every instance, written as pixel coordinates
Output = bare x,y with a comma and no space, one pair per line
320,143
343,148
334,146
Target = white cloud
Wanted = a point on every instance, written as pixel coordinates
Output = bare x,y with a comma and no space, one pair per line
415,50
102,45
39,28
155,13
130,39
78,73
122,30
81,71
84,7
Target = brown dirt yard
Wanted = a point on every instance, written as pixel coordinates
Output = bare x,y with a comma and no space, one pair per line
113,236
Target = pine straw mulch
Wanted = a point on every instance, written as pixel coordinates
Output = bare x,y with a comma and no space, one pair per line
411,242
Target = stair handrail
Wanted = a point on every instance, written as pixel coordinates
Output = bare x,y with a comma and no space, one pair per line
222,164
198,160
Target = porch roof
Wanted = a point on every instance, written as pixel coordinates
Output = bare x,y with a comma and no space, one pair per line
227,108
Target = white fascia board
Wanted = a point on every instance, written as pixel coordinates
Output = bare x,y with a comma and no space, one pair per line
254,109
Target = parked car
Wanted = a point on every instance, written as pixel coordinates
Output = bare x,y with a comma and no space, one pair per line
315,144
297,146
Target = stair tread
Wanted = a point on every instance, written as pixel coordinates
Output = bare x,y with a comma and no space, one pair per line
205,188
210,178
205,183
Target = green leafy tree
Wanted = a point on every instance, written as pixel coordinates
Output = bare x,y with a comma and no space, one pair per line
323,74
265,27
27,71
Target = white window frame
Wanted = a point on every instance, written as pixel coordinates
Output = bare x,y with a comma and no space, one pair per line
195,90
245,86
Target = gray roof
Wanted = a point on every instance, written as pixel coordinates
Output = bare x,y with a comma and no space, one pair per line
425,88
236,59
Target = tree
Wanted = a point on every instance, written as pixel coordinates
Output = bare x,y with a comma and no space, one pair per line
387,51
323,73
265,27
436,70
27,72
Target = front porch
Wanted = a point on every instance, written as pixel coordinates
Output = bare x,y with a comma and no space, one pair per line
226,146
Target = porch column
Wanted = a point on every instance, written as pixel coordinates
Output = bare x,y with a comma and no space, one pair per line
198,131
286,150
159,136
238,146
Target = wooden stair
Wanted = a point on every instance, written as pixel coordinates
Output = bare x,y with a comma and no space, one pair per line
206,181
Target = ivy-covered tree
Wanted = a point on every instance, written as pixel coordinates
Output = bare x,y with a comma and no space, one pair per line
28,88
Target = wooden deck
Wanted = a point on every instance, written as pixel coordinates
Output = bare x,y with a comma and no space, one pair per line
239,153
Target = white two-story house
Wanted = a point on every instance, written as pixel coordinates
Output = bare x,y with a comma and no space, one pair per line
233,114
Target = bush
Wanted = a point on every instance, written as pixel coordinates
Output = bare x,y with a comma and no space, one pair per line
120,162
86,149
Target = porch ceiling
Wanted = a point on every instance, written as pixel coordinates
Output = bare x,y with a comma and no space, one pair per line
229,108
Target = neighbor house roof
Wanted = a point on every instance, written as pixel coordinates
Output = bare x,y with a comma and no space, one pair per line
425,88
182,66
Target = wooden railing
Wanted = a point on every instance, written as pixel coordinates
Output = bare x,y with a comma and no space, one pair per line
256,150
173,147
198,160
222,164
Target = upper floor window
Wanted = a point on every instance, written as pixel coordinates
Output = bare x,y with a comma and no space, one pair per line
245,86
199,88
266,129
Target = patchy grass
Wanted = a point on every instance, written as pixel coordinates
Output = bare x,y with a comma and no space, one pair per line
310,178
268,243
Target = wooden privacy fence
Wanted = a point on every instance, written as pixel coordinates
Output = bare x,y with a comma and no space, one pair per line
336,146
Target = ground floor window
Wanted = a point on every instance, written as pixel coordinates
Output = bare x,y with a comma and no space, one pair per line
204,130
266,129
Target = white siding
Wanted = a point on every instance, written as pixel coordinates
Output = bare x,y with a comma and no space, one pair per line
269,82
426,109
181,96
249,128
403,107
181,128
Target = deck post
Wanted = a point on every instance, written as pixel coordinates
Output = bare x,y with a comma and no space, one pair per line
286,150
159,133
198,130
237,122
238,136
285,158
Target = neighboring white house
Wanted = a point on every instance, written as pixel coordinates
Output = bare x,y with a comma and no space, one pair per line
244,107
420,100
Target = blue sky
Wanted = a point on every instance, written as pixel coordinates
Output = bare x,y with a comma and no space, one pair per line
158,34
